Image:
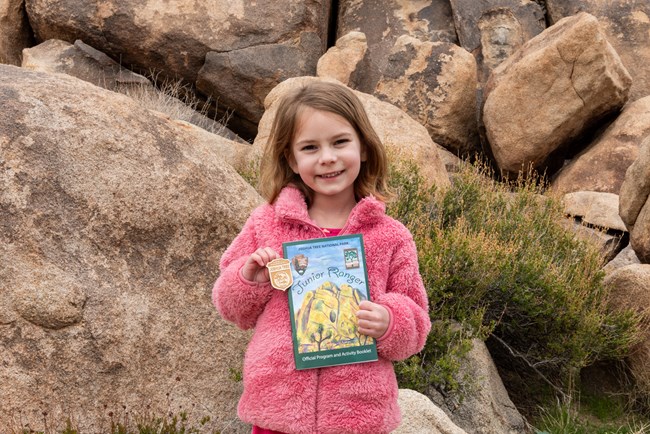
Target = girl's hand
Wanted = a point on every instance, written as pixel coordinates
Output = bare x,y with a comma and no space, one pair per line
373,319
254,268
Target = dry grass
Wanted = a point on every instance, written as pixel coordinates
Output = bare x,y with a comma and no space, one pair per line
178,101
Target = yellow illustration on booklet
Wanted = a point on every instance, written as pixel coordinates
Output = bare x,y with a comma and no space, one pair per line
329,281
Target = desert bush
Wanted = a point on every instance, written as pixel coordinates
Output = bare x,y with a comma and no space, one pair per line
496,261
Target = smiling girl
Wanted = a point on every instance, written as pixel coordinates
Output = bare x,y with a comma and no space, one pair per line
323,173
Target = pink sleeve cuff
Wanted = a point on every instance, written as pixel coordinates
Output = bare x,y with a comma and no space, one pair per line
246,281
391,324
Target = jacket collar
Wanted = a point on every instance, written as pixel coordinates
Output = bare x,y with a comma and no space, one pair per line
291,205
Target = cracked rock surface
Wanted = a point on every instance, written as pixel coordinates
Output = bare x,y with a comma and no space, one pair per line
563,81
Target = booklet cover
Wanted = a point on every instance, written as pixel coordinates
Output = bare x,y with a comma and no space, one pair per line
329,281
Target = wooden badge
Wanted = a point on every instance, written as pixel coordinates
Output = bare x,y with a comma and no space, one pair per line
280,274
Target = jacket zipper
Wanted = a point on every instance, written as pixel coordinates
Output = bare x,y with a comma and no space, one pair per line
308,223
317,395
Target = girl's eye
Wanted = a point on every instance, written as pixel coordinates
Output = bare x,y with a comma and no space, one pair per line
308,148
341,141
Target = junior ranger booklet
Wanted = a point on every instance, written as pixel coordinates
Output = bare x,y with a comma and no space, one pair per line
330,279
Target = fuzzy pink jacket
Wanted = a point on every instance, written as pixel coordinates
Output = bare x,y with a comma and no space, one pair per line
357,398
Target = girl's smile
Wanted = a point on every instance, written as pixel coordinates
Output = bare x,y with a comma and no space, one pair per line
332,175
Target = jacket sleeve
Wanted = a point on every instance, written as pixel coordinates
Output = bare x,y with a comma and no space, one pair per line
238,300
407,301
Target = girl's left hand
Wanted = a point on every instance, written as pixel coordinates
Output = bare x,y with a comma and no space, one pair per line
373,319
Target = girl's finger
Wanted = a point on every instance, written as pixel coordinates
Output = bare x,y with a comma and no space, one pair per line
367,315
265,255
257,257
272,254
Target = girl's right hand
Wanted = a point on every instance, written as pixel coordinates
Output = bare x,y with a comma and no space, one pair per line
254,268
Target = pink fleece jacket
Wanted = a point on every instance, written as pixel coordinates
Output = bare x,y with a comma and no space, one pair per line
357,398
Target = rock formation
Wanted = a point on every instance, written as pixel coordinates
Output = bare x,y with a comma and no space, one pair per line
602,165
385,21
635,202
631,290
15,33
627,26
420,415
550,91
176,40
82,61
113,222
113,217
494,30
435,83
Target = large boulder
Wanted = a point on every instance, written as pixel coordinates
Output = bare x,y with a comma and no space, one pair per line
410,59
635,202
602,165
15,33
630,289
485,407
175,39
468,15
421,416
609,244
624,257
112,223
241,79
595,209
384,21
627,26
553,89
231,150
347,61
82,61
435,83
593,217
398,132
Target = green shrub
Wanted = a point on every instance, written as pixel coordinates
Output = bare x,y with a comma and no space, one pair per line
496,260
569,418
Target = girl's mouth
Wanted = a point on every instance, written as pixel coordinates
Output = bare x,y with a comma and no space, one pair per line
331,175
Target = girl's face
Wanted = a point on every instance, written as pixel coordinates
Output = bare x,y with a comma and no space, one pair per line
327,155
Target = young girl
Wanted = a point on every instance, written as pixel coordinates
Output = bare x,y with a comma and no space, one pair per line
323,174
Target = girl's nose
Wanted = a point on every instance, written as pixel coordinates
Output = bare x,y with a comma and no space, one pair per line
328,155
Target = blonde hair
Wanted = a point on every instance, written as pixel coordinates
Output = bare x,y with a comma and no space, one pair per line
275,171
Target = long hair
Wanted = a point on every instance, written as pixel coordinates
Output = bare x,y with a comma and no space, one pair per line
275,171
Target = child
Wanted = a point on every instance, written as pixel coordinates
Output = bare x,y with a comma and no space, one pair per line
323,173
